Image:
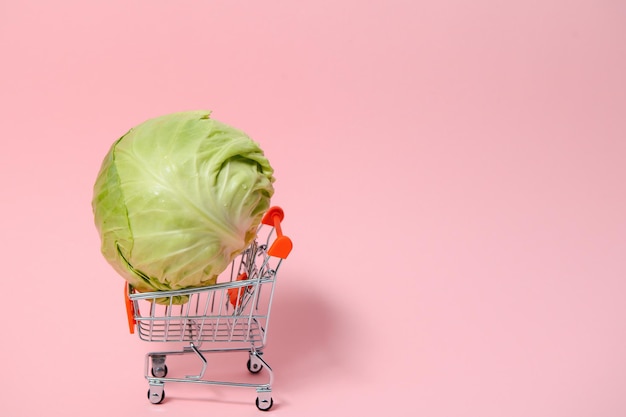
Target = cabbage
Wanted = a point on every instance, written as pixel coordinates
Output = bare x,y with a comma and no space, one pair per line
177,198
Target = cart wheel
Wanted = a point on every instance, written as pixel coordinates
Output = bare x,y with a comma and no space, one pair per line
159,371
254,368
264,405
156,394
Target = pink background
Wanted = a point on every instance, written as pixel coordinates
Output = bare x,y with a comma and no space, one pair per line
452,174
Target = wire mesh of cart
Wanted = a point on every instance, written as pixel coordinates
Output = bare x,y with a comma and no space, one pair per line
231,315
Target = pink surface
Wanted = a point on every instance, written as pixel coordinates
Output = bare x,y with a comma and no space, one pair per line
452,175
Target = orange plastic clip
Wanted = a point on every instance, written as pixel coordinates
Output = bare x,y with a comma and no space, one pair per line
282,244
235,295
130,310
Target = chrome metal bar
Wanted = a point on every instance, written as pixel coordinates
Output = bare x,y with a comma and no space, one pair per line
204,363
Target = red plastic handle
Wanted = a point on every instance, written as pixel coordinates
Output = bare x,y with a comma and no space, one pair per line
282,244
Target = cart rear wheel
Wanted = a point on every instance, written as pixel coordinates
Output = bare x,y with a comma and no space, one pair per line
156,394
159,371
264,405
255,367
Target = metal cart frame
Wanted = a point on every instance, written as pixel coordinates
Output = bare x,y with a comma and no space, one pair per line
232,315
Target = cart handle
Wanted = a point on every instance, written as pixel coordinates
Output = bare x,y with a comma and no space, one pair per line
282,244
130,309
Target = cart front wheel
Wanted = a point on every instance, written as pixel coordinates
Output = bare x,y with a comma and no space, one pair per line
264,405
156,394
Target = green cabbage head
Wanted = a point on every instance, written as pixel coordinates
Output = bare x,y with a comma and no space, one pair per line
177,198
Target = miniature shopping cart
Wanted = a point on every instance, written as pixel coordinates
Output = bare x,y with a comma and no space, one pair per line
231,315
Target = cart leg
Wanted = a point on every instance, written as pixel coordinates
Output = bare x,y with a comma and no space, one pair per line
202,359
